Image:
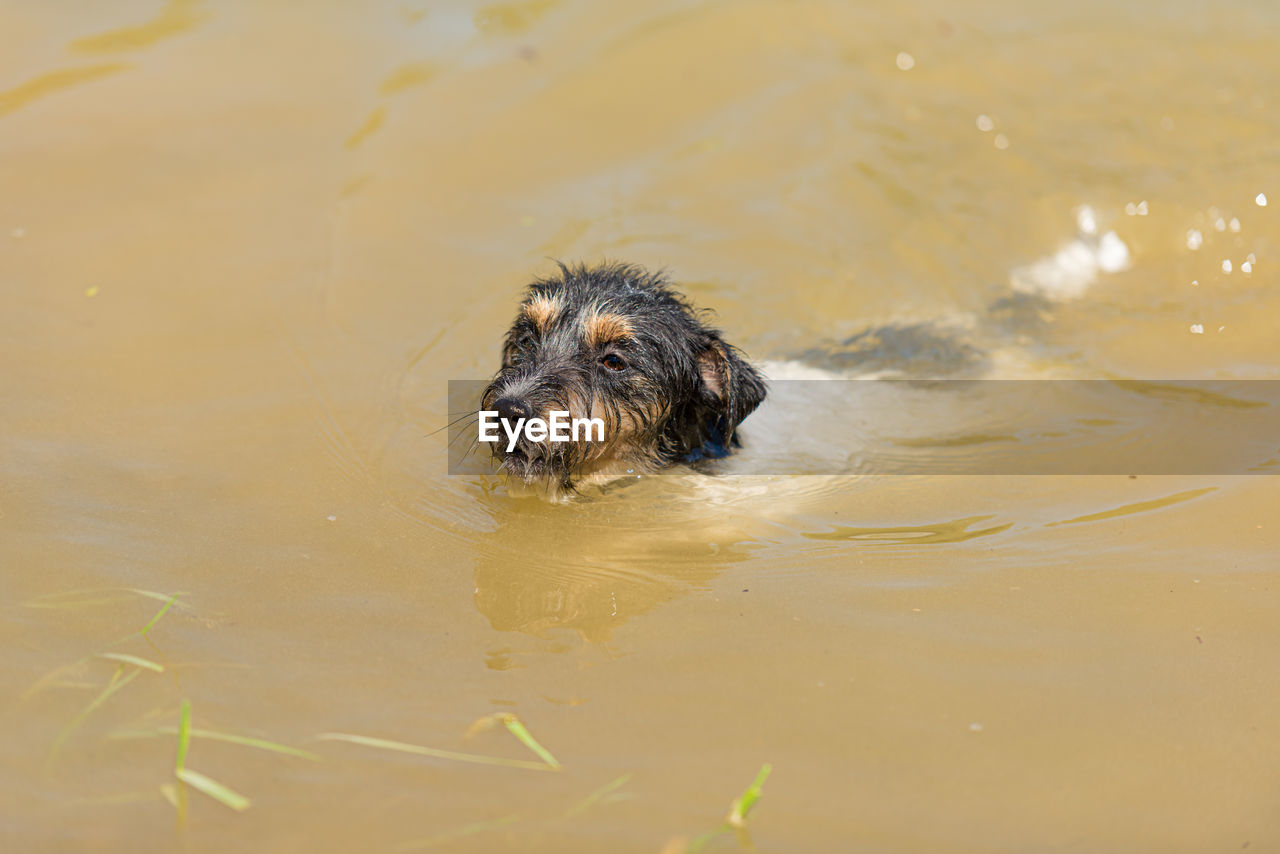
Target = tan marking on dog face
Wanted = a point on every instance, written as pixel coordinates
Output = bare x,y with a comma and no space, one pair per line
541,310
624,448
627,435
602,327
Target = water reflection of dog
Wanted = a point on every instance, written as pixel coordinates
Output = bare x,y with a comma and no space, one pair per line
592,568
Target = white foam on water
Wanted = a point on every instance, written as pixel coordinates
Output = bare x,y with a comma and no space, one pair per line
1072,270
790,369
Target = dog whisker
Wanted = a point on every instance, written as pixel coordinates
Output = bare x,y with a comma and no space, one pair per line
462,431
461,416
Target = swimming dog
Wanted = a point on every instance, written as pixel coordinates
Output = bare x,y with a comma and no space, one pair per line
617,344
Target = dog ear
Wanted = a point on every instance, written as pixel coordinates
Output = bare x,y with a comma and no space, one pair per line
730,386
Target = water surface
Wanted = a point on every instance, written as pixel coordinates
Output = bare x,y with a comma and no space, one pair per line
243,248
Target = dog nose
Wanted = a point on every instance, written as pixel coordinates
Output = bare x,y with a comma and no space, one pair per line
511,410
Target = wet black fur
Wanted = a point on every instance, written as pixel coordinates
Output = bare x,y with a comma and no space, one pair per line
684,388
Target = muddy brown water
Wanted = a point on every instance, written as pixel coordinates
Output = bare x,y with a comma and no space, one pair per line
243,248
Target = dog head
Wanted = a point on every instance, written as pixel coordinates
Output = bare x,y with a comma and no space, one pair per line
616,343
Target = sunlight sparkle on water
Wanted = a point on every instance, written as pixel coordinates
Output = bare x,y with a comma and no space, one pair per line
1261,199
1112,253
1194,239
985,123
906,61
1086,222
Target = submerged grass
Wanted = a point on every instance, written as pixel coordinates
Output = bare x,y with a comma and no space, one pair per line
516,727
459,833
742,805
734,822
179,793
603,795
119,678
137,661
221,793
129,667
418,750
184,736
92,596
163,610
55,675
227,737
117,682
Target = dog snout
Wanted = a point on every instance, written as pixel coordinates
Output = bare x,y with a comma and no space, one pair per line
512,409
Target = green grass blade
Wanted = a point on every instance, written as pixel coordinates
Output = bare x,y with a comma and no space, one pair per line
180,762
227,797
161,597
742,805
259,743
136,661
738,811
517,728
451,755
54,675
229,738
167,605
184,736
51,678
105,694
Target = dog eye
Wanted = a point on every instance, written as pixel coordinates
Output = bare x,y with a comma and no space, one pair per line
613,362
518,353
